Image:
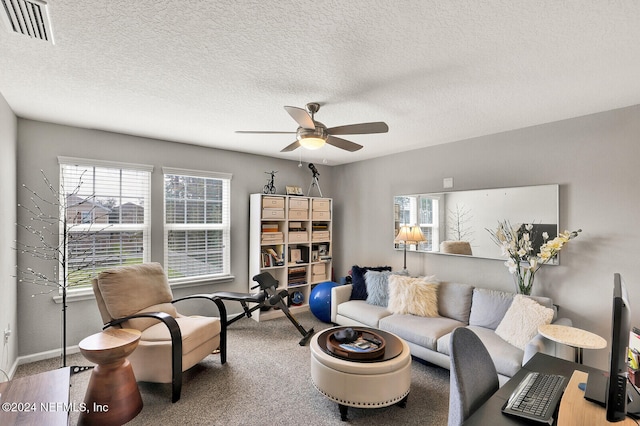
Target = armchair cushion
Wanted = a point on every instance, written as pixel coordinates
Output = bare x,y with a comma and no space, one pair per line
195,331
143,323
129,289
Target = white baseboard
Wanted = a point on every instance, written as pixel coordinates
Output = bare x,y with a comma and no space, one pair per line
26,359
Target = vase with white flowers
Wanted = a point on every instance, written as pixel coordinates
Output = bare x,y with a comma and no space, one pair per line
523,262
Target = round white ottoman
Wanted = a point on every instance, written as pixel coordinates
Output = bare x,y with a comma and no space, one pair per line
368,384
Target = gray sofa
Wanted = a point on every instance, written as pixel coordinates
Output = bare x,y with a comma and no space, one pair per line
459,305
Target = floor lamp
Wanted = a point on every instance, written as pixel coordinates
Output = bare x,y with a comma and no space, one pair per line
409,235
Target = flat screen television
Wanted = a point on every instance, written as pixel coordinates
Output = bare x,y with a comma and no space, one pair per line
613,390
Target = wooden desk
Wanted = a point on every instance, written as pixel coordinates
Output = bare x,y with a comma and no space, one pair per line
577,411
41,399
490,413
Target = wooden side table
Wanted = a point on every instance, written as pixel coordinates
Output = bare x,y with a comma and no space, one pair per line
575,337
112,396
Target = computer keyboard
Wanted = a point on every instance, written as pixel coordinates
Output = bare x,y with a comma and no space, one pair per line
536,397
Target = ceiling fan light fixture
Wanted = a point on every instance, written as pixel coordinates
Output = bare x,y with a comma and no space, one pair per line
312,138
311,142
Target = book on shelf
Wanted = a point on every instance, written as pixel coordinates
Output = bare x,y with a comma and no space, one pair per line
269,227
296,227
298,270
271,258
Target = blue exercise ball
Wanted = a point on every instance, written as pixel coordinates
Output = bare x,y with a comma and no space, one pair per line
320,301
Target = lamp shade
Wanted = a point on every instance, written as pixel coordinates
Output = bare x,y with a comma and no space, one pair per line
410,235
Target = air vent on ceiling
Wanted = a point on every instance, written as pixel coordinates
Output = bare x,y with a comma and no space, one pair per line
28,17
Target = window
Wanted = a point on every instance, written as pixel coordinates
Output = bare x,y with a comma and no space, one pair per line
424,212
197,224
105,216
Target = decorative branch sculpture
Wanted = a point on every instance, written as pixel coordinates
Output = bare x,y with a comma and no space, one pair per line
458,223
52,234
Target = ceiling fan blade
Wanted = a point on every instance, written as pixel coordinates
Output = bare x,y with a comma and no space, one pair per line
301,116
291,147
343,144
267,132
360,129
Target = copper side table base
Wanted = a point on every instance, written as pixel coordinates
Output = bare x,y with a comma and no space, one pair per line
112,396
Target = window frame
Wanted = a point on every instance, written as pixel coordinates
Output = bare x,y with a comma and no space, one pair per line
85,289
225,226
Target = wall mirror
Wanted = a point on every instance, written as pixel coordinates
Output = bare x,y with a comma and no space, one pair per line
456,222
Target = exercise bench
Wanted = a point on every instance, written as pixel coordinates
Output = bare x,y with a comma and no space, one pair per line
268,296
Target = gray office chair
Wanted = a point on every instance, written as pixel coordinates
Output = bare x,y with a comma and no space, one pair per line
473,377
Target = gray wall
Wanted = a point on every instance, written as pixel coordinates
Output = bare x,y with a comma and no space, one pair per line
594,159
8,305
39,146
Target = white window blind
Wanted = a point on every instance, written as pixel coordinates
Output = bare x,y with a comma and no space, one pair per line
105,207
197,224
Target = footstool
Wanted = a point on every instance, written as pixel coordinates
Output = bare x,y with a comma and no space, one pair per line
362,383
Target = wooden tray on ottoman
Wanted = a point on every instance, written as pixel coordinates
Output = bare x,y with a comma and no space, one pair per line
368,345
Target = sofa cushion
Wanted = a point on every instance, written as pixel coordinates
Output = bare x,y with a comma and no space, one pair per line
418,330
454,301
506,357
411,295
362,312
359,291
520,323
377,283
488,307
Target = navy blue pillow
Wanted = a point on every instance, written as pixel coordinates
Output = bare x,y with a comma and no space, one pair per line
359,290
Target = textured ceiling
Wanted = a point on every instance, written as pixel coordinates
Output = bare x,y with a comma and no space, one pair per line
434,71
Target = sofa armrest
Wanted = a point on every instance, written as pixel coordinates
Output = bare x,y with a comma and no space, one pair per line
547,346
339,294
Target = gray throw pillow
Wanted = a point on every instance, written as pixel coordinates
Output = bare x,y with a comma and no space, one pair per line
488,307
377,283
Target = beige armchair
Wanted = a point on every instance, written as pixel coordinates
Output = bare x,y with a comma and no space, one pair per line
139,297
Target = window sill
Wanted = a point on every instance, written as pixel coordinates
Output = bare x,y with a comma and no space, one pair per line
78,295
200,282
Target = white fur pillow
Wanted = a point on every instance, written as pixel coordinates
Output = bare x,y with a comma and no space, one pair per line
520,323
416,296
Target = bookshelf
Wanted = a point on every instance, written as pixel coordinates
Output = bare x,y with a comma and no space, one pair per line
290,237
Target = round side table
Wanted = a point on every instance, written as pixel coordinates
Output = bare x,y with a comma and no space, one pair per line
112,396
575,337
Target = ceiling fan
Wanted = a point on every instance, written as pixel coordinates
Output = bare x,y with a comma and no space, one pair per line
312,134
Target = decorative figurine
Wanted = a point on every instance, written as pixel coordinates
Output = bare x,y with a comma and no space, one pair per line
314,180
270,187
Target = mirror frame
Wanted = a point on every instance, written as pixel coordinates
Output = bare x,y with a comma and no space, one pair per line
473,238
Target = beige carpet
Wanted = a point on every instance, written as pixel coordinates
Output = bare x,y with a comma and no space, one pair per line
266,381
